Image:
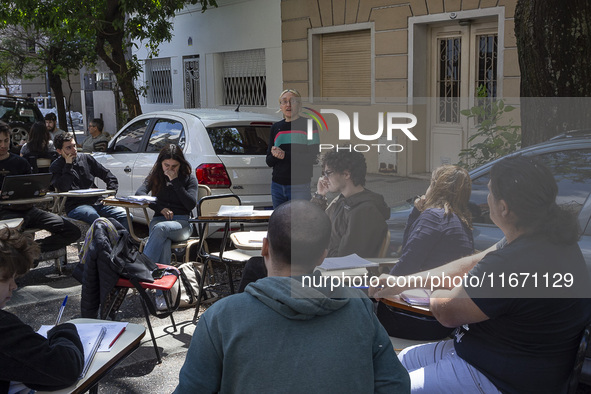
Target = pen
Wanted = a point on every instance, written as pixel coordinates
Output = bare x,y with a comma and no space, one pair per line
117,337
59,315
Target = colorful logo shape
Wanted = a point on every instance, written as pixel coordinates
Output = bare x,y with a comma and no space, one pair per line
319,119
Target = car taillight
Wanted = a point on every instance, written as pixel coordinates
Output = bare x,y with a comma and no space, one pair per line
213,175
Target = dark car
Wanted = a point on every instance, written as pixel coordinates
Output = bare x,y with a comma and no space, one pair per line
569,158
20,114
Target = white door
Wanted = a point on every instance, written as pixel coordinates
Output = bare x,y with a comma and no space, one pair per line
463,74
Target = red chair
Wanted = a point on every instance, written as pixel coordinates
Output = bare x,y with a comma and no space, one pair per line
165,284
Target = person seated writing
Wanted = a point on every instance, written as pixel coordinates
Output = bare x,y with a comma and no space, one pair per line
73,171
510,338
283,335
174,185
63,232
28,360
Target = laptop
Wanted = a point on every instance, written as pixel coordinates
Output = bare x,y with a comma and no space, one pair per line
18,187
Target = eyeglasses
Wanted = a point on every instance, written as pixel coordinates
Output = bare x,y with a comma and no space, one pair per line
327,173
292,101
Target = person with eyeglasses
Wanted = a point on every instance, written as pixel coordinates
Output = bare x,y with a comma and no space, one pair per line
98,140
358,215
290,153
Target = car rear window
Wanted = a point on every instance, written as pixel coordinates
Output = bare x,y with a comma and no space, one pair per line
240,140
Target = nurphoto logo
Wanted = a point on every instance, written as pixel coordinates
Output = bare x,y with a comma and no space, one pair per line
395,121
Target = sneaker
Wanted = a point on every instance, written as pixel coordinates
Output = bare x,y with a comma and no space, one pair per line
160,303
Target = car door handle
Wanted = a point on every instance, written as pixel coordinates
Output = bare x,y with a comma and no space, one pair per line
127,169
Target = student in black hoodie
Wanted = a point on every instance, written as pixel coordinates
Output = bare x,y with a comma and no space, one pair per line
26,358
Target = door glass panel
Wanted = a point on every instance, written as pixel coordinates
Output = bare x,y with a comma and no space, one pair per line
130,139
448,79
486,71
166,132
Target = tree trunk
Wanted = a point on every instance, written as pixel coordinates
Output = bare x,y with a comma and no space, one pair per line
553,43
55,82
116,60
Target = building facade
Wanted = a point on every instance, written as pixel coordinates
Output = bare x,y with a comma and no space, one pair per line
220,58
431,58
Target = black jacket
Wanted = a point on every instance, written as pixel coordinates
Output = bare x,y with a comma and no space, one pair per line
98,278
80,175
41,364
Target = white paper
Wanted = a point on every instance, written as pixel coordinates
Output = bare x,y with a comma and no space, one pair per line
82,191
250,237
138,199
346,262
113,329
235,210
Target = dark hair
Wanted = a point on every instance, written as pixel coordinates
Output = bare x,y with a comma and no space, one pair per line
4,128
298,233
50,116
98,122
17,252
58,142
343,160
156,178
529,190
450,190
38,138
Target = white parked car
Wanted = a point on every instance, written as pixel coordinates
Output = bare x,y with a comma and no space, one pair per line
225,148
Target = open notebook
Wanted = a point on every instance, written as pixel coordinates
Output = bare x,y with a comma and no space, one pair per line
91,336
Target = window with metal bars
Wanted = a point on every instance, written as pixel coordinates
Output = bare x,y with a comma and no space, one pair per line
245,78
159,81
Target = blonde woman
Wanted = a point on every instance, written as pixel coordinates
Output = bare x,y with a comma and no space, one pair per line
439,228
290,153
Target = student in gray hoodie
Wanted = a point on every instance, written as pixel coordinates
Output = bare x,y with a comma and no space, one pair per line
283,335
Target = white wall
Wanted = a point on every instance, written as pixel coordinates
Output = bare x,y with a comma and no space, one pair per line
104,107
234,26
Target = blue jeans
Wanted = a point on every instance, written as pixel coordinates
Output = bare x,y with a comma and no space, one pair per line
163,233
436,368
283,193
89,213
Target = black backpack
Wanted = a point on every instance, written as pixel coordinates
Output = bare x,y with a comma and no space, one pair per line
129,262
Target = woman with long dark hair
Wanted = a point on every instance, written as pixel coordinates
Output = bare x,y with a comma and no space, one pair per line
38,146
520,307
174,185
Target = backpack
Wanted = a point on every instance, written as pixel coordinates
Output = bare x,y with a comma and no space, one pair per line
129,262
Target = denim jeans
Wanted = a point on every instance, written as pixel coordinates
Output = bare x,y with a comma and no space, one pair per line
436,368
89,213
163,233
283,193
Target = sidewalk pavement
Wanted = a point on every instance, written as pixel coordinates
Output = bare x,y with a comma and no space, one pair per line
42,291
